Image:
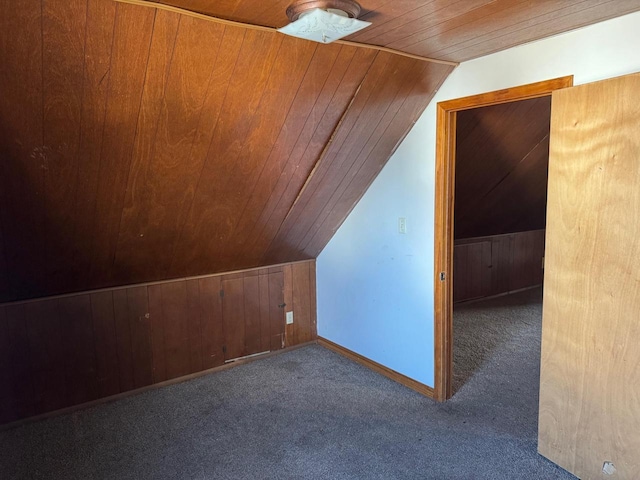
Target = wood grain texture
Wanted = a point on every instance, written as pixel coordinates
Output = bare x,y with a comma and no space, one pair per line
442,29
590,365
143,145
74,349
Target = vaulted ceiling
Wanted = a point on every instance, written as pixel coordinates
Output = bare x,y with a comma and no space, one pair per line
139,144
502,159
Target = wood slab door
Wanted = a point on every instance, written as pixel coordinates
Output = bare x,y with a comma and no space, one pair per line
590,367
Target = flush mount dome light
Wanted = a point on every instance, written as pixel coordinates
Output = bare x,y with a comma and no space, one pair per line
323,21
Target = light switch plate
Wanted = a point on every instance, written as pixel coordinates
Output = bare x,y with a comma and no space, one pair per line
289,317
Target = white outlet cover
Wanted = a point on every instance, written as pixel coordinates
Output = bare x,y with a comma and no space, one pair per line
289,317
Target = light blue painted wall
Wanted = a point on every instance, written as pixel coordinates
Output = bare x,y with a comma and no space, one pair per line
375,285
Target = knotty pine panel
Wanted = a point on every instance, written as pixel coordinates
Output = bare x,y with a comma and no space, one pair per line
63,351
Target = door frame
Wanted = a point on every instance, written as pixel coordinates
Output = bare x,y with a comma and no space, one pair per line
444,213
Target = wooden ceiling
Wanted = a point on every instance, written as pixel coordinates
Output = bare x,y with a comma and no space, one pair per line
502,158
138,144
454,30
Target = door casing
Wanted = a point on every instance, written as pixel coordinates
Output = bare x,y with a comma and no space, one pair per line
444,214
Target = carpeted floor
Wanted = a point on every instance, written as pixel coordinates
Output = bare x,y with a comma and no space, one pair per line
313,414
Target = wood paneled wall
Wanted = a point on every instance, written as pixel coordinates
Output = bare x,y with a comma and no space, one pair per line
487,266
64,351
139,145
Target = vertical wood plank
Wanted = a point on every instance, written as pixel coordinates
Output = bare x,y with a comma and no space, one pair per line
123,340
302,302
194,320
106,344
233,317
20,360
252,306
8,411
78,348
276,314
63,43
46,347
265,319
129,57
289,330
212,327
97,70
158,347
21,146
140,327
176,329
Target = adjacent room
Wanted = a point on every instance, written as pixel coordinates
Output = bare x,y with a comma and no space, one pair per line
233,241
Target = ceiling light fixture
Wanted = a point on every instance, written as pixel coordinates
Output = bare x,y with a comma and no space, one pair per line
323,21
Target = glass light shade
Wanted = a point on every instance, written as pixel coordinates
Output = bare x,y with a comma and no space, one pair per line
323,27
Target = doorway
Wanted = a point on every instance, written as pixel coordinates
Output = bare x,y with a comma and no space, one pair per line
444,226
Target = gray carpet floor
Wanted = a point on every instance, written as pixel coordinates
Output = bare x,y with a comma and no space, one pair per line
312,414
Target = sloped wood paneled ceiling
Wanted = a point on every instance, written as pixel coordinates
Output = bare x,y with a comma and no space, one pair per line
502,159
138,144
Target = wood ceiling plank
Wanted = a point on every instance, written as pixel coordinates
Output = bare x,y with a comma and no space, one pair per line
364,151
451,27
568,17
241,146
97,67
22,169
422,87
333,102
315,92
63,43
331,163
285,80
165,174
132,39
501,168
374,106
405,23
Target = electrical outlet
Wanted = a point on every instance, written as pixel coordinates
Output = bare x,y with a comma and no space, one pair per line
289,317
402,225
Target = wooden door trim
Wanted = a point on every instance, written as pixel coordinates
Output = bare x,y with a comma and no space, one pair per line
444,208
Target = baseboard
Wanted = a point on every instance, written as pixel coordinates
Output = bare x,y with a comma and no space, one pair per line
497,295
376,367
154,386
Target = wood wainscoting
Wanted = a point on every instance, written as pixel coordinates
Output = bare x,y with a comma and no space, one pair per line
498,264
62,351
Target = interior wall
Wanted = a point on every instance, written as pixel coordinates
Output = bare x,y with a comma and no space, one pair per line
58,352
375,285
